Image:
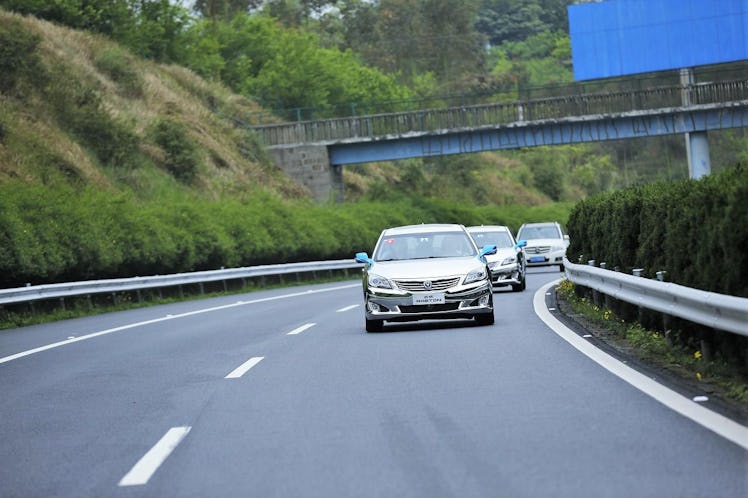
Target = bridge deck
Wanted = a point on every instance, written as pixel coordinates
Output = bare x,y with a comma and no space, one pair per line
432,122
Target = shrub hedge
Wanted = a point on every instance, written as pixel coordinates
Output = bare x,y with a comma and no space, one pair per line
62,233
695,230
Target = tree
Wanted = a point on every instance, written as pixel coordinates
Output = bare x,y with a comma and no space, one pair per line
224,9
516,20
412,37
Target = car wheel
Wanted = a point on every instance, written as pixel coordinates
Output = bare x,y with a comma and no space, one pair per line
561,268
374,325
485,319
520,286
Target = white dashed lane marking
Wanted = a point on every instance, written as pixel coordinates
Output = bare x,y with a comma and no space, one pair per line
151,461
347,308
301,329
244,367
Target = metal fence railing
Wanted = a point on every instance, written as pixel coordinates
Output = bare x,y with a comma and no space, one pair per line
485,115
136,284
719,311
714,310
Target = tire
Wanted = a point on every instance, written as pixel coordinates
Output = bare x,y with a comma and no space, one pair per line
561,268
374,325
486,319
521,286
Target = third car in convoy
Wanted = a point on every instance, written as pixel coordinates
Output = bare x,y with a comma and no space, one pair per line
507,266
546,243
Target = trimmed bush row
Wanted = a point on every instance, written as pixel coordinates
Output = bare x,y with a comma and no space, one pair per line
695,230
58,234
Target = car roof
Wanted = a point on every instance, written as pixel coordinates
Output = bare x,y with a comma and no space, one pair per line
540,224
488,228
424,228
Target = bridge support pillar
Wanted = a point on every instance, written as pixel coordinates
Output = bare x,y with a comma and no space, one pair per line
697,151
309,166
697,145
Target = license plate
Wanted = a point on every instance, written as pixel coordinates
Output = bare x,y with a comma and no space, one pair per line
537,259
431,298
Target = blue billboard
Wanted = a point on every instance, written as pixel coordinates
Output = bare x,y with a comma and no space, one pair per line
621,37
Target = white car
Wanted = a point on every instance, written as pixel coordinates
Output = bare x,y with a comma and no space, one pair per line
546,243
507,266
430,271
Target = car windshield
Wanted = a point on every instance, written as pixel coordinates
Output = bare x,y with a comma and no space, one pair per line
500,239
539,232
424,245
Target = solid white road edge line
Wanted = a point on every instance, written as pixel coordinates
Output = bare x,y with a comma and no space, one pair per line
168,317
244,367
151,461
299,330
715,422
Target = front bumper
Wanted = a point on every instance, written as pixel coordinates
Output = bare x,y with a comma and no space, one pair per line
506,275
546,258
397,305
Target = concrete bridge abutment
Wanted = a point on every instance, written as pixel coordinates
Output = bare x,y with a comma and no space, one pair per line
309,166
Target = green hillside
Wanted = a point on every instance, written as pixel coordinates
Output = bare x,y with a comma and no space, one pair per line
78,109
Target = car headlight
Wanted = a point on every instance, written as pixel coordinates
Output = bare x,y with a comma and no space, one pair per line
379,282
493,264
509,260
475,276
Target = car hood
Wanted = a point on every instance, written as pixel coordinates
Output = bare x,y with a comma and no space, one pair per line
432,268
501,254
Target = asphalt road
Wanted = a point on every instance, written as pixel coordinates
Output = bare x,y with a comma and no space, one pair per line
281,393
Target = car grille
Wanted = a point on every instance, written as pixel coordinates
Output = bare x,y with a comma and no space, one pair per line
538,249
436,285
427,308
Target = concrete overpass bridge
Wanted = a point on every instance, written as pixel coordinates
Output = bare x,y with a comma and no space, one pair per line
314,152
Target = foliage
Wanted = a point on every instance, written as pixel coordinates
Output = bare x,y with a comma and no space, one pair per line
19,60
516,20
182,157
79,109
726,372
413,37
59,233
695,230
283,68
118,65
151,28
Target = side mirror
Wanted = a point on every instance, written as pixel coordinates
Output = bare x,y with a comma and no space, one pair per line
488,249
362,257
520,244
566,237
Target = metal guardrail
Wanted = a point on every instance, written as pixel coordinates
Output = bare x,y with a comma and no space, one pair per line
718,311
490,115
135,284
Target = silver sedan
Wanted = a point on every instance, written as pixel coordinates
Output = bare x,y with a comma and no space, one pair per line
430,271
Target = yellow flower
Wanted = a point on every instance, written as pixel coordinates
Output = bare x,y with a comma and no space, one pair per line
698,376
697,355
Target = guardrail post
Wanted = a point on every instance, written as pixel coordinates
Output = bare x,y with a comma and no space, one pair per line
595,293
637,272
62,303
608,302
